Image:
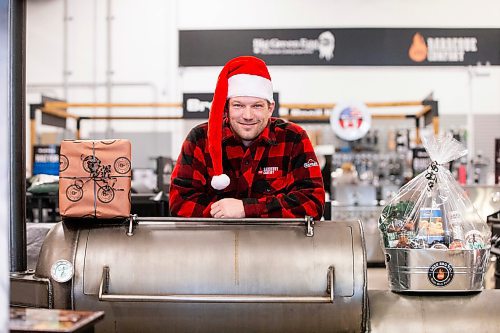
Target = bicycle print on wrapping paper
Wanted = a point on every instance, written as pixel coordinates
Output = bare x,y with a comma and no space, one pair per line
101,175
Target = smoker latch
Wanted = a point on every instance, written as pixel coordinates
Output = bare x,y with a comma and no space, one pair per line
310,226
132,221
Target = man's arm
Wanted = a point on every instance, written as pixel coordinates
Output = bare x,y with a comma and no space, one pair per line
188,189
304,193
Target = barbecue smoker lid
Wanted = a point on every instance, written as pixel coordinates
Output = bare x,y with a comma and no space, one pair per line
220,259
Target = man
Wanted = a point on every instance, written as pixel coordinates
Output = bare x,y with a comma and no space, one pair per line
243,162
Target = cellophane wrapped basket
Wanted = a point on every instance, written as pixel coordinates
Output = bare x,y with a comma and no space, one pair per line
433,237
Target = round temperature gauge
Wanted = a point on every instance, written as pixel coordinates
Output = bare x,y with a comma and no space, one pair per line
62,271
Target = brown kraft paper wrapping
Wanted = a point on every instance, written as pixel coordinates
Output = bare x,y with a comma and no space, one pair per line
94,178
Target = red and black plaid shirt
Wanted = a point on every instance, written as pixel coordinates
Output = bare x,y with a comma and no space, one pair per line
276,176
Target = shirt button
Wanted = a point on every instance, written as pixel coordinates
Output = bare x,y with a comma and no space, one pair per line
268,190
247,162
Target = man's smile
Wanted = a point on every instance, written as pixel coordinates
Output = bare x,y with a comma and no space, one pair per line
247,124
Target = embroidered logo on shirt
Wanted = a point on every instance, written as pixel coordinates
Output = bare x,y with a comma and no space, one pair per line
267,170
310,163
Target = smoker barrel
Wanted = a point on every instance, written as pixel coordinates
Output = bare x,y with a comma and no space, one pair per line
257,276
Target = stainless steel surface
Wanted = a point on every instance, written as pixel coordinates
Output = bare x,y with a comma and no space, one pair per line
378,280
369,218
211,221
15,37
28,291
350,195
35,235
395,313
197,222
408,269
262,263
165,259
61,242
131,221
485,198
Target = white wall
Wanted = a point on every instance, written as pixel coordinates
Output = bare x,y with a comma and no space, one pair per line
144,53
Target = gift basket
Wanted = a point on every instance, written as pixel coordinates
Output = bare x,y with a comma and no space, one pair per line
433,238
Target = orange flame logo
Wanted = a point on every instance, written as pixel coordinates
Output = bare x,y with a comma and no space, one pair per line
440,275
418,48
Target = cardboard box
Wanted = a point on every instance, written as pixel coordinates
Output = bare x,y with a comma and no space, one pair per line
94,179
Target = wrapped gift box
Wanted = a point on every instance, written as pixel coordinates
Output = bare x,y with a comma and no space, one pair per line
94,179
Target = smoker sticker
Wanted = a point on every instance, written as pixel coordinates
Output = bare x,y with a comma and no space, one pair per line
440,273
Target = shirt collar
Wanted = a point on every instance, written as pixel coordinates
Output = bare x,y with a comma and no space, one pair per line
267,136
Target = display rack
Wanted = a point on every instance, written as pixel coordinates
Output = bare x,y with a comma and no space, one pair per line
56,113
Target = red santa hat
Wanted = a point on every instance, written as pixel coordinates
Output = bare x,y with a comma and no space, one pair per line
241,76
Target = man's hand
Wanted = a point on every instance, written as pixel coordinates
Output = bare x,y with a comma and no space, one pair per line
227,208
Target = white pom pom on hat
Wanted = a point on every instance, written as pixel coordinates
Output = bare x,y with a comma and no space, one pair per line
220,182
241,76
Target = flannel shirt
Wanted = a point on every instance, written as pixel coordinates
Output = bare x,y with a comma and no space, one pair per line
276,176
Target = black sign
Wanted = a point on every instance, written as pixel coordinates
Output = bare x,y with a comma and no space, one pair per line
50,119
343,47
197,106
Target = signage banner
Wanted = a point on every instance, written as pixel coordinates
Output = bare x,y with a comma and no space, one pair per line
46,159
50,119
197,105
343,46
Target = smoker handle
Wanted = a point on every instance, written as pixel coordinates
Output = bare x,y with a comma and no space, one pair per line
106,297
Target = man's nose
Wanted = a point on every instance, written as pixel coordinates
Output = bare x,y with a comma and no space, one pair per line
248,112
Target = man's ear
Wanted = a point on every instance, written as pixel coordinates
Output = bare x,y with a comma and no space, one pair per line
271,107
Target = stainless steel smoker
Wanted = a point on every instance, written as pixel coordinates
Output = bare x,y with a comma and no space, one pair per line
262,275
258,275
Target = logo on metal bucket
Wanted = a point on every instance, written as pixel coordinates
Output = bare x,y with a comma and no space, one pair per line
440,273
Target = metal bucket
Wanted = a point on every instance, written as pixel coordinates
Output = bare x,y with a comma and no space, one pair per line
433,270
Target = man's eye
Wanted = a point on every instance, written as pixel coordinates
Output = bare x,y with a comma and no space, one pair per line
237,105
258,106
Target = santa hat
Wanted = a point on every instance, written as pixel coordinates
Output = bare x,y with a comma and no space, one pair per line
241,76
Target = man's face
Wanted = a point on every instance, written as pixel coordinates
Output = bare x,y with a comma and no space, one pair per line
248,116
